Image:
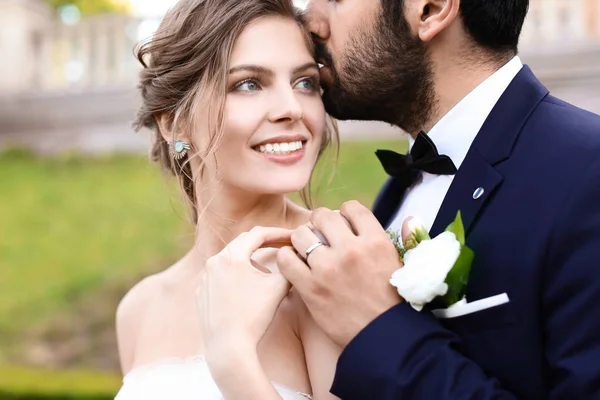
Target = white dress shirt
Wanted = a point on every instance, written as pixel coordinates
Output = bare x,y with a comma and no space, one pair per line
453,136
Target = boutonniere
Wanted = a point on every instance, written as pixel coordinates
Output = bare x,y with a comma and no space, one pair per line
437,267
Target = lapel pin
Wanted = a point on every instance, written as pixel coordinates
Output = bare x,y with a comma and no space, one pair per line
478,193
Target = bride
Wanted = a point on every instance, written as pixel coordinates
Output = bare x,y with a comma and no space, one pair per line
231,89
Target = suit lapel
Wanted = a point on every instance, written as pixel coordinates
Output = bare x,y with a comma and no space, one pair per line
472,187
388,201
477,179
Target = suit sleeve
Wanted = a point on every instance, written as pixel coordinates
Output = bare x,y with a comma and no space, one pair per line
404,354
571,302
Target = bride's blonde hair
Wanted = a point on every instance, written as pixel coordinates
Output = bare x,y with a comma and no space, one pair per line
186,63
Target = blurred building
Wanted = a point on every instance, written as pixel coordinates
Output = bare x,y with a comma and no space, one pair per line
69,82
562,22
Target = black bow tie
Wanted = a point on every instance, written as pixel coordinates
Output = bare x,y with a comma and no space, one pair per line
422,157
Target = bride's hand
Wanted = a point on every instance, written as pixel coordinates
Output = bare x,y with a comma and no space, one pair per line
236,300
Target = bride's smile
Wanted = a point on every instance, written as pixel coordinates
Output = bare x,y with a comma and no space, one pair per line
283,150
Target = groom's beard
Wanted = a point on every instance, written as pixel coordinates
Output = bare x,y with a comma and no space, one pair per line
384,76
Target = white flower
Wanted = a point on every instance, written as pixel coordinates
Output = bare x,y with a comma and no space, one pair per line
426,266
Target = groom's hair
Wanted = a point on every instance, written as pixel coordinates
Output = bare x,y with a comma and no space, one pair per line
493,24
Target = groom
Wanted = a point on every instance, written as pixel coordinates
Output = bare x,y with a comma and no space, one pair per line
525,174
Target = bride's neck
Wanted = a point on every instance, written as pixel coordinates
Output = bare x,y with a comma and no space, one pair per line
223,219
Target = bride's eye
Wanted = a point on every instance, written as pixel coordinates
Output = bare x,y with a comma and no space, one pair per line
248,85
308,84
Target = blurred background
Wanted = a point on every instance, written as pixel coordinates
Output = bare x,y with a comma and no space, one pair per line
83,213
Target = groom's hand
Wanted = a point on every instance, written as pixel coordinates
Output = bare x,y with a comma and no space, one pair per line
345,283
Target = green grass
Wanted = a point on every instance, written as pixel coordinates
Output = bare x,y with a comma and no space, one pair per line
69,225
358,174
72,225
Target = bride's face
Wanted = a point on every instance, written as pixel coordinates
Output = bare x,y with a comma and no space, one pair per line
274,118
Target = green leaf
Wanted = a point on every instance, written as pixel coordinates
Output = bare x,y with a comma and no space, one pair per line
458,276
415,237
458,229
421,234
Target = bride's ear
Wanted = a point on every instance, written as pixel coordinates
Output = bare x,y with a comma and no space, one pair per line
434,16
165,126
167,130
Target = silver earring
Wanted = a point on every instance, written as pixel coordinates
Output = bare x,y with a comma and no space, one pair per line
178,149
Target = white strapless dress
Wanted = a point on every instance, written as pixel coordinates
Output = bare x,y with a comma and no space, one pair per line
180,379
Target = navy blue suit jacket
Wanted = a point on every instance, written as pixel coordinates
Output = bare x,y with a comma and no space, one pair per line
536,236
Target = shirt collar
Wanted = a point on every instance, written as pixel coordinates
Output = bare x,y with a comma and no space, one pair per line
455,132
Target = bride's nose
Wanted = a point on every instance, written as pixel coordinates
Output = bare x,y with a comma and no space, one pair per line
285,106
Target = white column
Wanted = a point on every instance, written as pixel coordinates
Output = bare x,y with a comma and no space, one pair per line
85,52
45,60
102,30
530,34
120,50
575,27
61,56
550,21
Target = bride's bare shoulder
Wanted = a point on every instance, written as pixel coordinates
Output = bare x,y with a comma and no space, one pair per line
146,292
137,297
130,313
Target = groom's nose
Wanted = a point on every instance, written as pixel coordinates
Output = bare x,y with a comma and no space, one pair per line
315,19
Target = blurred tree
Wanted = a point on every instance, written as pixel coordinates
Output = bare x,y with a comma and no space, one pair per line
93,7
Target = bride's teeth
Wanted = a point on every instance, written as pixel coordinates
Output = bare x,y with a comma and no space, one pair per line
279,148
